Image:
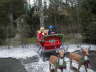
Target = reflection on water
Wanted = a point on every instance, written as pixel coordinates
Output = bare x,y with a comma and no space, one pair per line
11,65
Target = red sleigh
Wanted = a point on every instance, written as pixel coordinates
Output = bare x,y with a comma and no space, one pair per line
51,42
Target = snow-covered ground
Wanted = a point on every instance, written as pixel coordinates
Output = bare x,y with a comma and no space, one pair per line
18,52
44,67
31,50
24,52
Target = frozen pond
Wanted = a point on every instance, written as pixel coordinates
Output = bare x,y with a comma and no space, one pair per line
11,65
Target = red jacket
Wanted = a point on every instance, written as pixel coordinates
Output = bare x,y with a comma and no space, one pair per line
39,36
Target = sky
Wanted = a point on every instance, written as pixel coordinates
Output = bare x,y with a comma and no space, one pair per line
32,2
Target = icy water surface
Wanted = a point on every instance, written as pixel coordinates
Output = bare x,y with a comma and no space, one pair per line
11,65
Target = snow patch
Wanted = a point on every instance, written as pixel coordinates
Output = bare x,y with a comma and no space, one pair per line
17,52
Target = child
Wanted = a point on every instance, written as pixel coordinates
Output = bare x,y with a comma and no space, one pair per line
40,34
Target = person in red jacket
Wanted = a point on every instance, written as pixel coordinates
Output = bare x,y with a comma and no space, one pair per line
39,35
